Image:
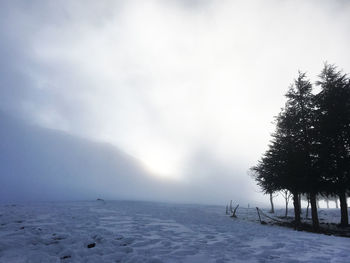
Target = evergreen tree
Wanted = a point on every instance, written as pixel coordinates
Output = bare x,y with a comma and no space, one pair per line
289,162
277,169
333,134
300,108
310,150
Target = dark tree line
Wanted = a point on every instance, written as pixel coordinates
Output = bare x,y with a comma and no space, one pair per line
309,153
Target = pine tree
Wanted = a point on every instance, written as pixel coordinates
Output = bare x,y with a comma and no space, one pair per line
276,170
310,150
333,134
289,162
301,104
299,112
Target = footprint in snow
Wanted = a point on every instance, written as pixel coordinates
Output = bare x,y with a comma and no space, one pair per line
119,237
126,241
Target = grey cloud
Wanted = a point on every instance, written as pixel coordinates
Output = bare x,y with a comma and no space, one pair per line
161,79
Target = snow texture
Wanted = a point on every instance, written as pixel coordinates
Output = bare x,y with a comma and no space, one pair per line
130,231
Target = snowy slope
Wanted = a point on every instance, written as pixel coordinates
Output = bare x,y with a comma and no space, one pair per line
126,231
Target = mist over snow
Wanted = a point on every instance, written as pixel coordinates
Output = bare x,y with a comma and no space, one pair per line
151,100
40,164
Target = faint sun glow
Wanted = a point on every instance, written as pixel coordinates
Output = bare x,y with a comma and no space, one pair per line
161,163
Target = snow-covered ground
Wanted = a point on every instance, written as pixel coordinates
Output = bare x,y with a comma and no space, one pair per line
128,231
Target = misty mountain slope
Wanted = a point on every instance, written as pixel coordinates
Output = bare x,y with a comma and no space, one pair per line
39,164
45,164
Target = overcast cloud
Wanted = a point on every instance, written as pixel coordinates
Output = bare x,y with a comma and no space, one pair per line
188,87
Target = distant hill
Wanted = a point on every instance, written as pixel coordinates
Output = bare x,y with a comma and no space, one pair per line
44,164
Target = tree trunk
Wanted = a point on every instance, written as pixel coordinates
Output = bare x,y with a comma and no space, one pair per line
286,208
307,208
336,202
271,202
343,209
299,196
327,202
315,222
296,209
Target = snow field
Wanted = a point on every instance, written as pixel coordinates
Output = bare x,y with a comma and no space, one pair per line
128,231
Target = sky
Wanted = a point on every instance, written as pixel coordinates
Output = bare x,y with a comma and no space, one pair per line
189,88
